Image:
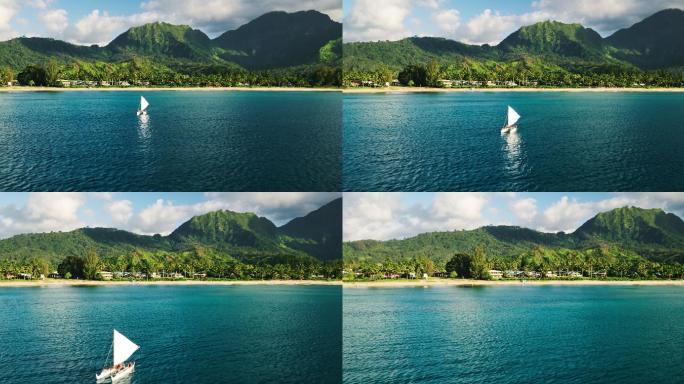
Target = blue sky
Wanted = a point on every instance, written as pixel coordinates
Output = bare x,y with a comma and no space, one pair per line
486,21
383,216
99,21
144,213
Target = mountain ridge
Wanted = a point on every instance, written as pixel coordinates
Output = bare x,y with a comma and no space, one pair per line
306,33
652,233
244,236
655,43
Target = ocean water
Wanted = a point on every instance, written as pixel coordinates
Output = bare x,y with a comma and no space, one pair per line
191,141
514,335
208,334
565,142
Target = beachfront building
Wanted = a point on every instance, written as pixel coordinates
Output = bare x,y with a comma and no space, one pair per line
444,83
26,276
513,273
106,275
495,274
550,274
54,275
200,275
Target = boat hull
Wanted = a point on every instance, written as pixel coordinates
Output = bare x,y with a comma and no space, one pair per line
122,374
104,375
509,129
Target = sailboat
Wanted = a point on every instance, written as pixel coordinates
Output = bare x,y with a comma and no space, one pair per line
122,349
143,106
511,120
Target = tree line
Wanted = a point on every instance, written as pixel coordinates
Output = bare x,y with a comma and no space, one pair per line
144,72
477,264
214,265
521,72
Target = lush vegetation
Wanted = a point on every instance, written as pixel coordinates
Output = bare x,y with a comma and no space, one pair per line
547,54
141,264
623,243
219,244
301,49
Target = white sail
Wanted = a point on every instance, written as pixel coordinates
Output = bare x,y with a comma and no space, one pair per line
123,348
143,104
513,117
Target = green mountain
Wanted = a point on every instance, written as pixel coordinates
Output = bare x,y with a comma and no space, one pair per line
634,227
362,56
656,42
228,229
279,39
648,233
222,235
162,39
554,38
276,40
321,231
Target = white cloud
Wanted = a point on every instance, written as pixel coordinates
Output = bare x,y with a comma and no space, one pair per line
448,21
39,4
467,206
8,9
161,217
121,211
490,27
55,21
43,212
370,20
385,216
374,215
524,209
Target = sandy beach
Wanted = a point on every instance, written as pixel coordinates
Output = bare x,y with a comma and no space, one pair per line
390,90
472,283
152,89
67,283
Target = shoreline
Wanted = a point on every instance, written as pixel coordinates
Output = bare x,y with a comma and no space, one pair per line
391,90
156,89
506,283
49,283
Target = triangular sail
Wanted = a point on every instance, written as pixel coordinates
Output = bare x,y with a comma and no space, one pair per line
513,117
143,103
123,348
